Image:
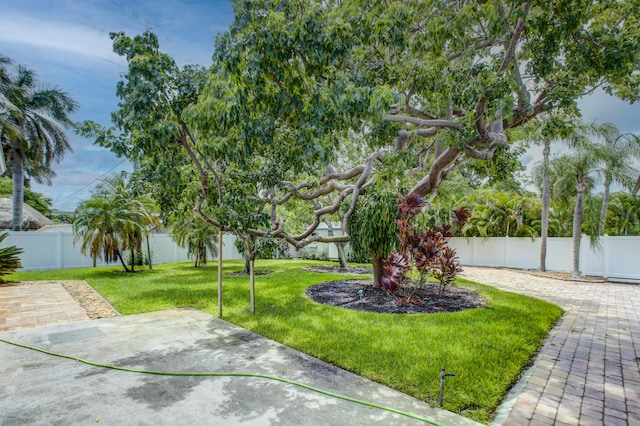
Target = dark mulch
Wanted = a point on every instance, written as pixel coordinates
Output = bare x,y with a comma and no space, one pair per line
349,270
344,293
257,272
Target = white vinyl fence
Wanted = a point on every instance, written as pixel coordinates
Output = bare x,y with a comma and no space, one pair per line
55,250
615,258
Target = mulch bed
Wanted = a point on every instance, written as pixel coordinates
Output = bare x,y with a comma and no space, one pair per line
344,293
258,272
349,270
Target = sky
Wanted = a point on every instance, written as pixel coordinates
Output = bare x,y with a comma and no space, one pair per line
67,43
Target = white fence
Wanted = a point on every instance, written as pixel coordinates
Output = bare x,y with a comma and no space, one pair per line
55,250
615,258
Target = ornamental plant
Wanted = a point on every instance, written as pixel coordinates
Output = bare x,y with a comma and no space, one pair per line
424,252
9,260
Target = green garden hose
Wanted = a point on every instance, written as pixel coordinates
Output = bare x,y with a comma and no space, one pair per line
210,374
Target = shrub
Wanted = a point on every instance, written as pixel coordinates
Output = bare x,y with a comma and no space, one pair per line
9,260
308,254
427,249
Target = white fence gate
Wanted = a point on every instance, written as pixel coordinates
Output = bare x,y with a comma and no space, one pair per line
55,250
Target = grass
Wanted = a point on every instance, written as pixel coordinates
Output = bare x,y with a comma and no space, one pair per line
486,348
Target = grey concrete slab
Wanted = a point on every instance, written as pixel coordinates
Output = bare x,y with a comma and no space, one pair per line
39,389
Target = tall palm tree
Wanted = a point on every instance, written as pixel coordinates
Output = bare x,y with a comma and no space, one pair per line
7,109
548,128
622,149
579,169
32,129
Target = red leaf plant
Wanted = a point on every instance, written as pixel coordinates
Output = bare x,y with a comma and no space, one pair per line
427,249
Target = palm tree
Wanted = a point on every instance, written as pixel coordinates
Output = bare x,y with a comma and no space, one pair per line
94,224
622,148
32,123
579,169
114,219
551,128
7,109
197,236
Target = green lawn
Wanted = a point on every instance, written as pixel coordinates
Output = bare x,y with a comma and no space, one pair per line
486,348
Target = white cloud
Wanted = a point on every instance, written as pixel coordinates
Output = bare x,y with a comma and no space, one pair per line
65,37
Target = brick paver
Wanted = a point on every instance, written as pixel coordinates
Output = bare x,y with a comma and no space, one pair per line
588,371
35,305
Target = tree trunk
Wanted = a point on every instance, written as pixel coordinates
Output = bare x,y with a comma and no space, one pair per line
605,205
149,253
18,190
577,229
124,265
220,273
133,259
377,271
247,263
252,289
342,258
636,187
546,195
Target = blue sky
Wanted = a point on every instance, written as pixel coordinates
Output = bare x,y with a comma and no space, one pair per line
67,43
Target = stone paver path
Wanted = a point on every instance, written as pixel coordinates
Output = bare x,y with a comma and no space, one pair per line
27,306
588,372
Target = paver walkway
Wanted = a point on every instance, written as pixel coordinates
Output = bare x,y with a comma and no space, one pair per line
27,306
588,370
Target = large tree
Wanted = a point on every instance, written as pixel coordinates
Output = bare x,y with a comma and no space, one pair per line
448,78
437,81
32,129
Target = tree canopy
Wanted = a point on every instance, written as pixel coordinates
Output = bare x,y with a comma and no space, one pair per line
423,86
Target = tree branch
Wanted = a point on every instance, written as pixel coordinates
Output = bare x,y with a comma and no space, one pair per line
422,122
515,38
430,182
